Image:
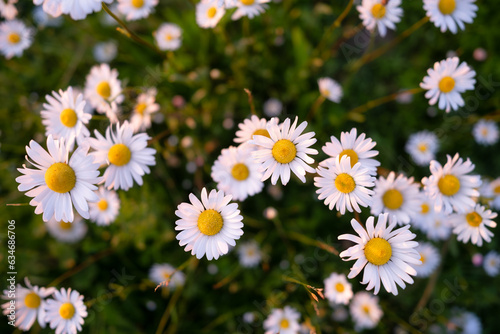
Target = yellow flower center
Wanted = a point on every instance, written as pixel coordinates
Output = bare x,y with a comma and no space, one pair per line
484,132
68,117
138,3
446,84
366,309
422,148
140,107
422,258
166,275
325,92
119,154
449,185
284,323
339,287
473,219
247,2
32,300
261,132
284,151
351,154
14,38
424,209
378,251
497,190
378,11
393,199
446,7
240,172
345,183
66,311
169,37
65,226
211,12
102,205
210,222
104,89
60,177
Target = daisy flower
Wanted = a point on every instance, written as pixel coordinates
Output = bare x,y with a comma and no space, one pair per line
450,187
145,106
330,89
343,186
337,289
29,304
79,9
491,263
208,13
127,156
286,149
249,254
8,9
437,227
64,117
382,14
425,213
385,255
250,8
15,37
273,107
208,226
493,191
472,225
102,87
485,132
357,148
67,232
237,173
448,14
59,184
66,311
136,9
430,258
398,196
104,52
51,7
365,311
161,272
252,127
106,209
446,82
168,36
422,147
283,321
464,322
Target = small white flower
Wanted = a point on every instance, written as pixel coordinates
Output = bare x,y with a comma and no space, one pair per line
65,313
330,89
337,289
103,87
51,7
15,37
251,127
106,209
492,191
136,9
273,107
249,254
365,311
146,106
446,82
485,132
465,322
208,13
283,321
67,232
437,227
448,14
8,9
164,272
421,219
472,225
380,14
78,9
430,258
104,52
422,147
491,263
168,36
250,8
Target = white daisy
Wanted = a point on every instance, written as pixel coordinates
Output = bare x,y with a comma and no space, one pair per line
485,132
104,52
102,87
29,304
66,311
491,263
79,9
365,311
287,149
8,9
164,272
251,127
283,321
337,289
168,36
430,258
450,187
51,7
446,82
330,89
422,147
106,209
250,8
64,117
437,227
15,37
126,155
448,14
382,14
249,254
144,107
208,14
273,107
493,191
209,226
385,255
357,148
237,173
398,196
59,184
343,186
67,232
472,225
136,9
421,219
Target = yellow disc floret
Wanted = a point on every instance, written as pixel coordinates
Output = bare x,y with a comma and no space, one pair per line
240,172
247,2
284,151
339,287
140,107
104,89
446,7
446,84
474,219
345,183
351,154
68,117
32,300
424,209
261,132
66,311
284,323
137,3
393,199
65,226
211,12
14,38
449,185
378,251
210,222
60,177
119,154
102,204
378,11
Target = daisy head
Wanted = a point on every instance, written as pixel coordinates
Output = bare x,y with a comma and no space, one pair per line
8,9
208,226
491,263
127,156
164,272
450,14
250,8
59,183
385,255
365,310
66,311
208,13
106,209
492,192
103,87
283,321
424,213
344,187
144,107
330,89
273,107
136,9
437,227
472,225
446,82
286,149
451,187
168,36
104,52
252,127
422,147
337,289
15,37
485,132
430,258
67,232
249,254
380,14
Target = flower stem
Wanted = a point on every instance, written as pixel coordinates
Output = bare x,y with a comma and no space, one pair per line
319,101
